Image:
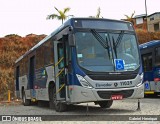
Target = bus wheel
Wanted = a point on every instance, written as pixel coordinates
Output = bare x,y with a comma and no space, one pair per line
58,106
26,102
105,104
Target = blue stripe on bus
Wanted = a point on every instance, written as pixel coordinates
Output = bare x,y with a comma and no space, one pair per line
148,76
75,70
140,70
155,73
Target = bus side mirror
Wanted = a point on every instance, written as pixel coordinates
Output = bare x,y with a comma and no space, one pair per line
71,40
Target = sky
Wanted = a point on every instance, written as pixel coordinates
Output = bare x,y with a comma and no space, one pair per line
23,17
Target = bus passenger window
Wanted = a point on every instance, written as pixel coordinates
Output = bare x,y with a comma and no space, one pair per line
147,62
48,51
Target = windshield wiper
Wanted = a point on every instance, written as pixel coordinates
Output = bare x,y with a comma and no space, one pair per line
100,39
103,42
108,50
114,47
119,39
115,44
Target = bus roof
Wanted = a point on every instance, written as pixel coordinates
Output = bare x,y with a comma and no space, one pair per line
71,22
149,44
68,23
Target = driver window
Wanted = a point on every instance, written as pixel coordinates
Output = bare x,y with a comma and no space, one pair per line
86,47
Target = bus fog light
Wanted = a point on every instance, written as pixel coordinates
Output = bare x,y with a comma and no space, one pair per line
83,82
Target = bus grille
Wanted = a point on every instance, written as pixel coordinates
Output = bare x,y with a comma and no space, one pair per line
107,94
112,77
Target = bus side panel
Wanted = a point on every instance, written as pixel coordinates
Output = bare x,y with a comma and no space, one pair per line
43,77
40,83
17,92
149,83
157,79
157,87
23,82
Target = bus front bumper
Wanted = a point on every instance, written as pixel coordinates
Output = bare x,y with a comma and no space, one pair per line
79,94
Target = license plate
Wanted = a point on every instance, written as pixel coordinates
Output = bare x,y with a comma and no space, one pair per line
116,97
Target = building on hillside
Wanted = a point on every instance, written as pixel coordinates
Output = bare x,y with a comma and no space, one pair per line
140,22
153,22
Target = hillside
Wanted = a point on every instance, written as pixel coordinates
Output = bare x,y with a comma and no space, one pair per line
13,46
144,36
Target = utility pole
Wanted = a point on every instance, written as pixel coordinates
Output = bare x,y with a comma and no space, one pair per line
146,14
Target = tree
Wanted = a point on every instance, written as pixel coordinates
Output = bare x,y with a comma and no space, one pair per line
130,18
98,15
61,14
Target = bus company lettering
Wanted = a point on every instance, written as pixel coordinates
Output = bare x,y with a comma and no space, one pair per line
103,85
124,83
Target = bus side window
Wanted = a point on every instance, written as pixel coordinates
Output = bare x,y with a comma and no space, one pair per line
157,56
48,53
147,62
40,57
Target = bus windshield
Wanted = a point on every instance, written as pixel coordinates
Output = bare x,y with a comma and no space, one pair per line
98,51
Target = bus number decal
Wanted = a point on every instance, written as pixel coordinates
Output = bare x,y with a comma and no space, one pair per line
126,83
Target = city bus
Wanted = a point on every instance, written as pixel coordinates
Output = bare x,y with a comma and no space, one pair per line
84,60
150,54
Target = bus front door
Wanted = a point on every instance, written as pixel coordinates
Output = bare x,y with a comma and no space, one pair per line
59,67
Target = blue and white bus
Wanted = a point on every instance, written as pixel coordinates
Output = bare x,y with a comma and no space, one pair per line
84,60
150,53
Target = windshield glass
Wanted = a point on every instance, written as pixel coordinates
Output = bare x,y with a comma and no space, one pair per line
106,51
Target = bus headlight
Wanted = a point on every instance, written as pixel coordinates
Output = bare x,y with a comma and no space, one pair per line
83,82
140,80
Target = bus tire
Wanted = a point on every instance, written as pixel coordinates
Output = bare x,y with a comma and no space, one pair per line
26,102
60,107
54,104
105,104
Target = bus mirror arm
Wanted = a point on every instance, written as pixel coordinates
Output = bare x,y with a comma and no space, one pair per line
71,40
